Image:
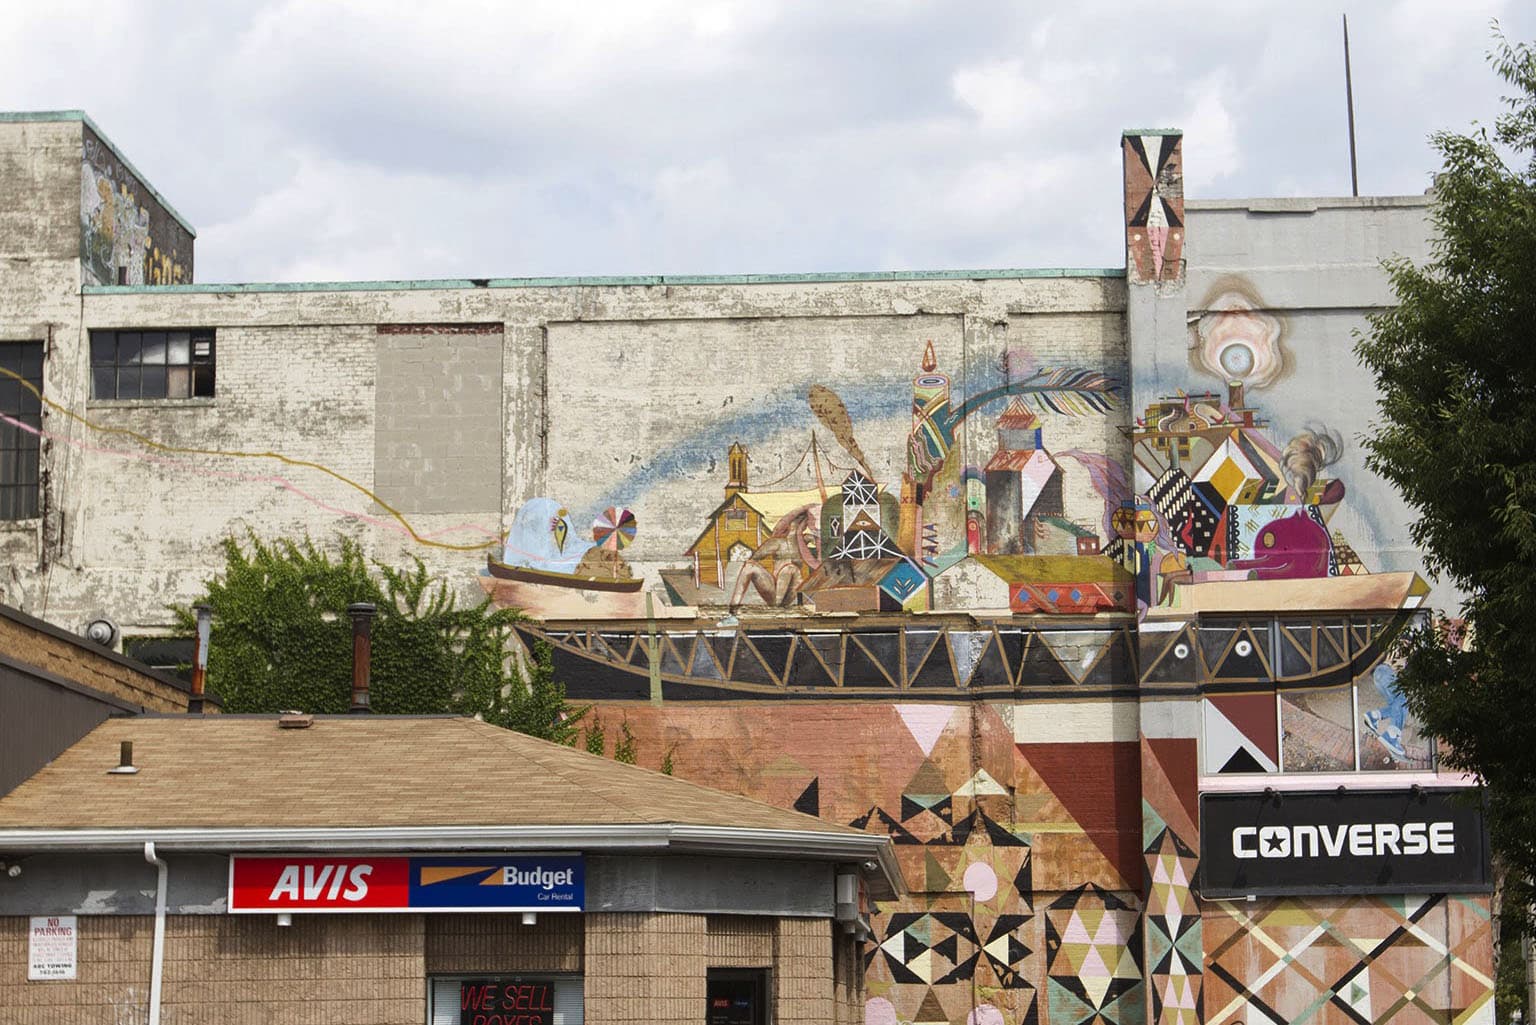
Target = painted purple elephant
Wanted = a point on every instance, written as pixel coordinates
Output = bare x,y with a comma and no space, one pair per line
1292,547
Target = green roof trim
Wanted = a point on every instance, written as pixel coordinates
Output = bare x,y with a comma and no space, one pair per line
645,280
1152,131
82,117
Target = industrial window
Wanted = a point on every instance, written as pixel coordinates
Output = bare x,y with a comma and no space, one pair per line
21,366
505,1000
152,364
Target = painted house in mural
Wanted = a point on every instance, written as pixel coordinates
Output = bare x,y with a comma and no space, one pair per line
1071,581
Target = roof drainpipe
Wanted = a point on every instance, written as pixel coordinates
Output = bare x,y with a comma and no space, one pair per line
157,958
200,658
362,614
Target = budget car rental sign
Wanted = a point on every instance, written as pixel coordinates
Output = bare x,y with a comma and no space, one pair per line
266,884
1357,841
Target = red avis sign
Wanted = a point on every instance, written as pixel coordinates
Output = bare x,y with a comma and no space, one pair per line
319,884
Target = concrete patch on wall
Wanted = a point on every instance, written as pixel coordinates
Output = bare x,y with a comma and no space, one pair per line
437,419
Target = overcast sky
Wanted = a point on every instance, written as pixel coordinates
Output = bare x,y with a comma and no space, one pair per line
373,139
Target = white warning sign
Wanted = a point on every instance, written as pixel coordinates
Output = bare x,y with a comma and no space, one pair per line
51,948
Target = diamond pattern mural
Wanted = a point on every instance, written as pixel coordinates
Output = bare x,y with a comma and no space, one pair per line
1365,960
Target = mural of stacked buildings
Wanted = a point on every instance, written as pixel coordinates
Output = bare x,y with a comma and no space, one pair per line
1072,582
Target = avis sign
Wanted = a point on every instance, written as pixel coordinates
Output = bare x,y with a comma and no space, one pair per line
270,884
1371,841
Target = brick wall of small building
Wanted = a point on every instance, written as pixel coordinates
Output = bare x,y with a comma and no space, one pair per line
373,969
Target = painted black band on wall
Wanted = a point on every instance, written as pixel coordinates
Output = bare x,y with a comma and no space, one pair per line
1357,841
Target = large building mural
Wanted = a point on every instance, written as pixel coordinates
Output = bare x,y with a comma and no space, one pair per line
1018,570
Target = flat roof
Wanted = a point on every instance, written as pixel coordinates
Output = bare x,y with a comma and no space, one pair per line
82,117
616,281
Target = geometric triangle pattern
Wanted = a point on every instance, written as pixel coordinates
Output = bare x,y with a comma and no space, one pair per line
1093,950
1175,956
1154,206
1366,960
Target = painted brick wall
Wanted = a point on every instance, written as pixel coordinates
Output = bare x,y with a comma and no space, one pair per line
594,385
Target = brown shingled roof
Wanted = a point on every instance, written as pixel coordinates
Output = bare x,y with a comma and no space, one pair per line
359,772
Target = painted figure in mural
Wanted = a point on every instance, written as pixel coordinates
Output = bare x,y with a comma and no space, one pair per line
1388,722
781,564
1295,547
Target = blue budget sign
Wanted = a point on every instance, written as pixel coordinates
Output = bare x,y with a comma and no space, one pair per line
522,883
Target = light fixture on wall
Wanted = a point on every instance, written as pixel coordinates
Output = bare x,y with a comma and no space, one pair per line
530,918
101,631
284,918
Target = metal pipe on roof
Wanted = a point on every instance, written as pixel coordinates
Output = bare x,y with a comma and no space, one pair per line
362,614
157,956
200,658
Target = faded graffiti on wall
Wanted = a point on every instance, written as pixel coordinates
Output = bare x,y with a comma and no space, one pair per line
126,236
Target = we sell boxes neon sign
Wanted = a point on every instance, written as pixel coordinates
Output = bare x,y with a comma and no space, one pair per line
268,884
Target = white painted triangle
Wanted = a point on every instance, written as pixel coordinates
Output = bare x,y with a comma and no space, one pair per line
896,947
1223,739
922,966
998,948
926,723
1096,984
1153,144
981,783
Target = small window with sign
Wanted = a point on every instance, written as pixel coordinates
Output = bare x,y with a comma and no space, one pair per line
737,996
504,1000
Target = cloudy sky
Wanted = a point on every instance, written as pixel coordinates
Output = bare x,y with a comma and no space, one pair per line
362,139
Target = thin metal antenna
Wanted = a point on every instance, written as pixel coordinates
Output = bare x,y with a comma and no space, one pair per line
1349,99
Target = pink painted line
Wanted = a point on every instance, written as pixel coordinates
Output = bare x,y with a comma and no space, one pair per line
282,482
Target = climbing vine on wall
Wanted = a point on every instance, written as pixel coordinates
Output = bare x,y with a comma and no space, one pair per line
281,639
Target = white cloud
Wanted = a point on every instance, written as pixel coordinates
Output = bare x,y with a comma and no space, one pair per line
380,138
1209,120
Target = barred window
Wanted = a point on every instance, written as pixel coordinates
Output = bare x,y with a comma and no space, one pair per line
170,364
21,366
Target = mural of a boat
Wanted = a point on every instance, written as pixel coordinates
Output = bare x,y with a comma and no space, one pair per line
949,658
581,581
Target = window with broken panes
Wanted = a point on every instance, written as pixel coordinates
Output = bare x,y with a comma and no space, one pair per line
21,387
171,364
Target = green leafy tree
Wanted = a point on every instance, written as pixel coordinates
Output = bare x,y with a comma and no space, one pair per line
1455,362
281,639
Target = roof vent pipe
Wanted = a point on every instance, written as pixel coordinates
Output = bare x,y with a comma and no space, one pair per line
125,766
200,658
362,614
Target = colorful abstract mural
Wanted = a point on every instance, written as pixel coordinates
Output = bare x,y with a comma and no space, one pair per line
1354,960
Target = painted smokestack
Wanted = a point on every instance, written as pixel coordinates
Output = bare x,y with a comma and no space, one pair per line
362,614
200,658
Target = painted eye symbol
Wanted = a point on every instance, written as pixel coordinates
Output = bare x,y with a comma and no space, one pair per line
1269,540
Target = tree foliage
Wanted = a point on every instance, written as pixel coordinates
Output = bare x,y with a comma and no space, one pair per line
281,639
1455,362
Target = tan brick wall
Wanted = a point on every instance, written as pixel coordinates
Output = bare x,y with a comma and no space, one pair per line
372,969
113,975
467,944
740,941
79,664
645,968
325,970
803,971
847,980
